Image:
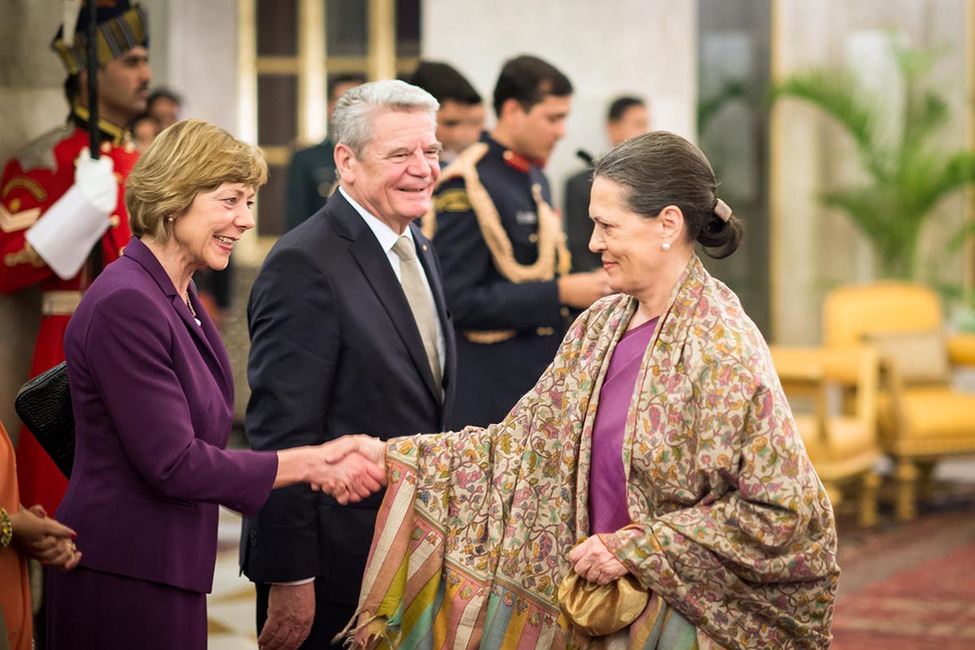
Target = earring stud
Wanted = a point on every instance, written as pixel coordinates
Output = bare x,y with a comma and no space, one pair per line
665,245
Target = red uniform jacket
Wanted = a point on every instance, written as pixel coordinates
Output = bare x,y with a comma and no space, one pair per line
37,177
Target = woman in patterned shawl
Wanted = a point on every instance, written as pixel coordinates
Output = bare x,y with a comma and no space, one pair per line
659,434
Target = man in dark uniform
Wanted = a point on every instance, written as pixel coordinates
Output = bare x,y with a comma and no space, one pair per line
311,172
628,117
502,249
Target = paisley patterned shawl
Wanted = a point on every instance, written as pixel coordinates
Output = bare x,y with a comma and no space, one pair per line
734,528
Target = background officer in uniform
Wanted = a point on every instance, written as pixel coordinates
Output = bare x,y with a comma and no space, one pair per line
56,203
460,118
502,249
311,171
628,117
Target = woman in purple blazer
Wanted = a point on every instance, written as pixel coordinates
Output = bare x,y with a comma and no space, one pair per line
152,392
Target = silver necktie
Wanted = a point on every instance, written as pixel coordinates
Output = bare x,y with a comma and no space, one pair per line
420,303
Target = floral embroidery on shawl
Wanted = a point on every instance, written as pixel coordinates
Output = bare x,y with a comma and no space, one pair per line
736,532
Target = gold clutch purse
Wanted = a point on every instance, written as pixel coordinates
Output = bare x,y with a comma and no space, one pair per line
601,609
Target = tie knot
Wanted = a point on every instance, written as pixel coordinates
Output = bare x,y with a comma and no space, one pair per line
405,248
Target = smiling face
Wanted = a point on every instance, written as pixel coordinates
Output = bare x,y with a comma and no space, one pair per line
205,234
629,243
393,179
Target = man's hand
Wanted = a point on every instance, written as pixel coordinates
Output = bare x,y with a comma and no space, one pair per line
290,614
594,562
579,290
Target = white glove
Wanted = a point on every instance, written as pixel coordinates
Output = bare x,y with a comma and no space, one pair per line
66,233
96,180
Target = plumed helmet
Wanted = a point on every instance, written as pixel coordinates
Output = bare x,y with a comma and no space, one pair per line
121,27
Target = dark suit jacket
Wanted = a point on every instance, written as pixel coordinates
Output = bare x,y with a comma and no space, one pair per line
311,176
334,351
152,394
578,225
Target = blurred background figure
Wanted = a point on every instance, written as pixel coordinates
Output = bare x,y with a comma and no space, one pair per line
628,117
460,119
311,172
144,131
164,106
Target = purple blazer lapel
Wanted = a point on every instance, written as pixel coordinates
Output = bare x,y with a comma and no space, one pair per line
205,334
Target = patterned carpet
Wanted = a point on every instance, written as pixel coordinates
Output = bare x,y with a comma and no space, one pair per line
910,585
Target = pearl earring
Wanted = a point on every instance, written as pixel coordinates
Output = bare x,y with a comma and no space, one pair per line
169,219
665,245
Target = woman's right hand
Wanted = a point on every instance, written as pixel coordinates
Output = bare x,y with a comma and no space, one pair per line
38,536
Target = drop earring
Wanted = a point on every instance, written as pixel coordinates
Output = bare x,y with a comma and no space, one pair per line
665,245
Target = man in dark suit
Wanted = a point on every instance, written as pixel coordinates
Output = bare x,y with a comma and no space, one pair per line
349,334
311,171
628,117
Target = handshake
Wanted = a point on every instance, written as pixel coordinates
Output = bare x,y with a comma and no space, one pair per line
349,468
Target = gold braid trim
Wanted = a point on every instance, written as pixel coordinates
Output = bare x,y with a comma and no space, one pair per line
553,256
29,185
26,255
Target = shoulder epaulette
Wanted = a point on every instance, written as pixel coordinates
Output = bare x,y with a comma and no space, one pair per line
39,152
553,257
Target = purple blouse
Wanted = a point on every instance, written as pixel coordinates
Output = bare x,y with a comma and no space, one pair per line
607,479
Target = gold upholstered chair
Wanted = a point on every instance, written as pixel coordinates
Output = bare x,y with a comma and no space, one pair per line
833,395
921,416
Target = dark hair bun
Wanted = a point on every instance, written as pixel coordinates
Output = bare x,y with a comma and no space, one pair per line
721,238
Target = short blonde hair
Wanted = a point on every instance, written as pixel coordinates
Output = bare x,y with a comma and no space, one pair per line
189,157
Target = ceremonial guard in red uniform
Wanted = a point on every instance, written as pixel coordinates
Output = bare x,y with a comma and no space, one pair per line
56,202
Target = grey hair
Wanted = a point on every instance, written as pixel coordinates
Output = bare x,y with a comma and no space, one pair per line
355,110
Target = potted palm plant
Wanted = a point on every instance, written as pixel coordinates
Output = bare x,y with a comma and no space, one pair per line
906,175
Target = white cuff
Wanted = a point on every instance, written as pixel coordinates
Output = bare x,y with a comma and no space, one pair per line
294,583
66,233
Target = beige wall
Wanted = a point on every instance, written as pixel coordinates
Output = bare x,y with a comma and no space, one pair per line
814,249
642,47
